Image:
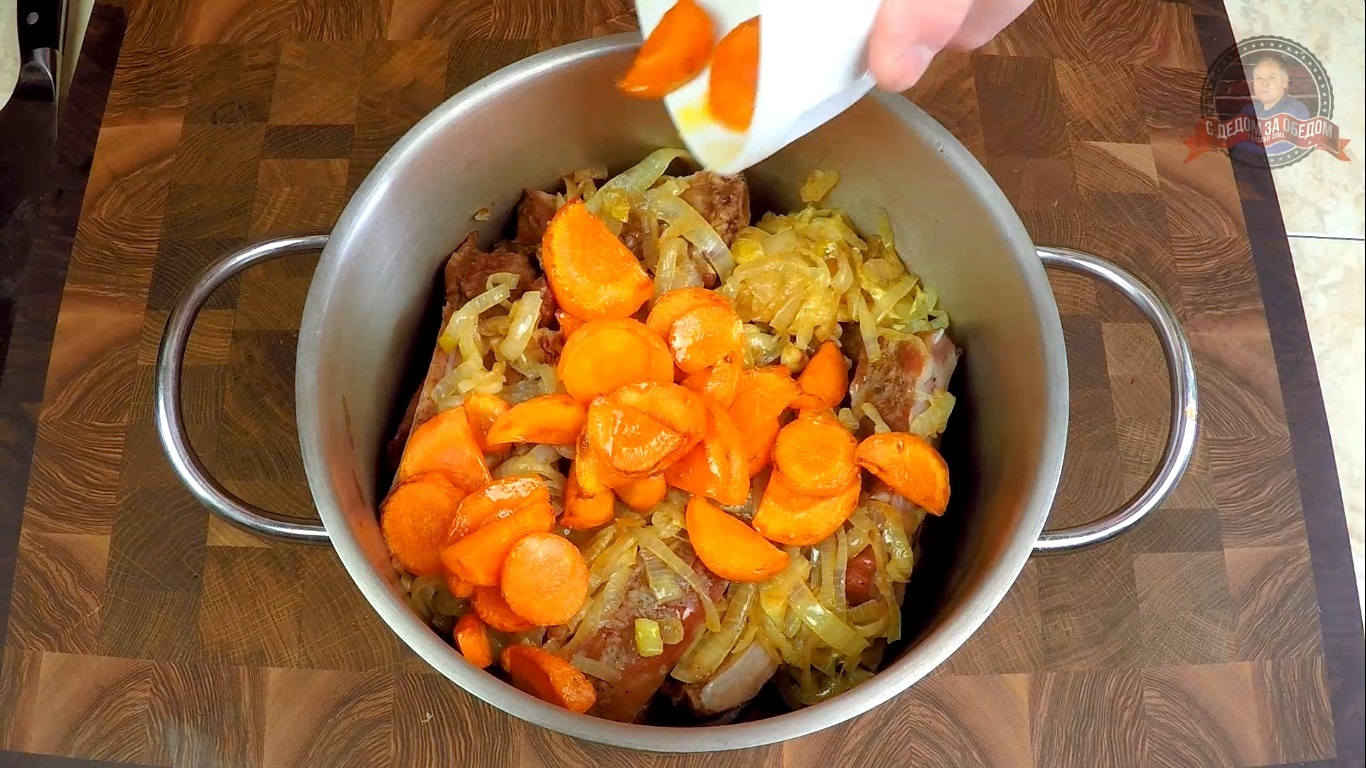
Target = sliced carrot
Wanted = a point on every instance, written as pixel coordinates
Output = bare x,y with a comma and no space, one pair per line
672,405
483,410
493,610
729,548
675,52
494,501
478,557
415,517
815,452
549,419
568,323
591,273
716,468
704,336
719,383
825,380
545,579
789,517
582,511
644,495
472,638
735,76
634,444
593,471
446,442
910,465
678,302
605,355
758,441
763,394
548,677
458,586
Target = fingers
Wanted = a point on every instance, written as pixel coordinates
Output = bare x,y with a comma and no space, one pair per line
984,21
906,36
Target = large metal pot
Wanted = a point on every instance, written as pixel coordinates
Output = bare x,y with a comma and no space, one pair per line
528,124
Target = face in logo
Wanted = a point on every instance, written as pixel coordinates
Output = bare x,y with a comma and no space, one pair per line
1269,80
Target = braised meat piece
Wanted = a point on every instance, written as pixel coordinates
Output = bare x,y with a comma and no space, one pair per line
722,200
533,215
899,382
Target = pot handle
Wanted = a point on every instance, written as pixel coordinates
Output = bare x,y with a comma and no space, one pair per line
175,439
1176,456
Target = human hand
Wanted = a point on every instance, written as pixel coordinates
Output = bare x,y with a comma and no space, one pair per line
907,34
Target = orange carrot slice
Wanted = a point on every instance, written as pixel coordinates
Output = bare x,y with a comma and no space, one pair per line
672,405
763,394
591,273
548,677
582,511
545,579
910,465
605,355
493,610
478,557
446,442
758,441
719,383
458,586
415,517
644,495
824,381
482,410
678,302
472,638
703,336
729,548
594,471
568,323
789,517
717,468
675,52
494,501
634,444
815,453
549,419
735,76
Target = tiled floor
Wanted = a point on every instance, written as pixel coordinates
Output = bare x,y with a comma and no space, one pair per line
1322,199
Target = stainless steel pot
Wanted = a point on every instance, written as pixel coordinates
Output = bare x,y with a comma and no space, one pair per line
528,124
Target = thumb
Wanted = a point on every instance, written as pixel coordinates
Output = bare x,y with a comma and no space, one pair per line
906,36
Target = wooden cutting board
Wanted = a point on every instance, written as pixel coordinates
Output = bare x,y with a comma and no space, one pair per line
1224,631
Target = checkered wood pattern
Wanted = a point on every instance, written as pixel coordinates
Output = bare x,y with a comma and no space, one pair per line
143,630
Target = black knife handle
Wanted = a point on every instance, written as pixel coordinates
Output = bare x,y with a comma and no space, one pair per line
40,25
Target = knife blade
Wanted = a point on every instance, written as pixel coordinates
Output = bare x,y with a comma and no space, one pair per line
28,137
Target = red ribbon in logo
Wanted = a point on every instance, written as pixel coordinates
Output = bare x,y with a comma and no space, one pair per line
1314,133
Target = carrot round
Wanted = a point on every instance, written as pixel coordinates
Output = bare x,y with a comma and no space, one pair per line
446,442
910,465
458,586
472,638
605,355
815,452
498,499
763,394
824,381
735,76
415,517
483,410
703,336
591,273
582,511
675,52
678,302
478,557
643,495
548,677
493,610
729,548
719,383
716,468
549,419
672,405
789,517
757,441
545,579
633,443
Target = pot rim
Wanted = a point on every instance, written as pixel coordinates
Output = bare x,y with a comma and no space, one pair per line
914,664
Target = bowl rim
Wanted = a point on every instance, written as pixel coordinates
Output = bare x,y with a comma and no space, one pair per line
914,664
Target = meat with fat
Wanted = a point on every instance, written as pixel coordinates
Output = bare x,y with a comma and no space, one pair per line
534,213
734,684
900,382
722,200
